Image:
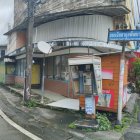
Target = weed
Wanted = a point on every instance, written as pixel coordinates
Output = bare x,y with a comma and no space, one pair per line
31,103
103,121
18,86
72,126
126,121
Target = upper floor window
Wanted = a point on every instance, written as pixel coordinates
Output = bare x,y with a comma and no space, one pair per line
2,53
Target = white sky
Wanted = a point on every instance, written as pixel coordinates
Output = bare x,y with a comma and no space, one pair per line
6,17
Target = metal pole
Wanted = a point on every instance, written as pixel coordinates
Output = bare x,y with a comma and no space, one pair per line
43,80
121,82
29,51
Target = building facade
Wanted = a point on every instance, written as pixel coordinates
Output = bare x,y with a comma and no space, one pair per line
3,70
72,28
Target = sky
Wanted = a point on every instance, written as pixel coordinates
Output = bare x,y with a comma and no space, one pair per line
137,18
6,17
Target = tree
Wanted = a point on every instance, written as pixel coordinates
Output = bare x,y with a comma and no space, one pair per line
136,74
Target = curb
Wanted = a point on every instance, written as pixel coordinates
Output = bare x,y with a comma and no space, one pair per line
19,128
79,135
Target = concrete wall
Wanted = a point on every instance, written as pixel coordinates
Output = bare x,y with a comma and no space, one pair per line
16,40
2,72
11,42
53,6
21,39
20,11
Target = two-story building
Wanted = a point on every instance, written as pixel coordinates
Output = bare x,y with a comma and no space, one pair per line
72,28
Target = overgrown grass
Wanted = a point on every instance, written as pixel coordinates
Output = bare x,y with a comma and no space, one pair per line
18,86
126,121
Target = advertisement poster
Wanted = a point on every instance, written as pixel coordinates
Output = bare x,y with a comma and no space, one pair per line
106,99
107,74
124,95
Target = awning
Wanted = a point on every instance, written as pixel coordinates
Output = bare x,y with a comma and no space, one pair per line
102,47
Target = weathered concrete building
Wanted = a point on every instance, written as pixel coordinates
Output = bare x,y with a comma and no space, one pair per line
73,28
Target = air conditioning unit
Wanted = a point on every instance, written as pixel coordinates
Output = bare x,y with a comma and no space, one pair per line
121,26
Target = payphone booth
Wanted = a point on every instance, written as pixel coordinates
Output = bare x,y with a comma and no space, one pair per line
85,73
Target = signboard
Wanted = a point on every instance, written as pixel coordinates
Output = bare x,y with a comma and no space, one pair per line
124,35
107,74
90,105
106,99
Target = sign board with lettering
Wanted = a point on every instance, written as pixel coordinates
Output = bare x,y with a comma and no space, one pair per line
124,35
89,105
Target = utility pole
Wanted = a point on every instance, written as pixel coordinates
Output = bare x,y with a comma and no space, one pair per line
121,84
29,51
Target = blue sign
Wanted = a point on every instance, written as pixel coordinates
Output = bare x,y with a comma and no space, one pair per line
124,35
90,105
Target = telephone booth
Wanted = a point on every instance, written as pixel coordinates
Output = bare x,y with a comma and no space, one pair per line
85,73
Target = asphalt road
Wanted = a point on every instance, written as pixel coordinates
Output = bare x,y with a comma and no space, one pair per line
7,132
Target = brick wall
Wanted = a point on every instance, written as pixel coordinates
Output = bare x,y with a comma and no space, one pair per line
9,79
19,80
59,87
21,39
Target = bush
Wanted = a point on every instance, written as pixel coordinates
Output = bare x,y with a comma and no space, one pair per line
136,74
72,125
103,121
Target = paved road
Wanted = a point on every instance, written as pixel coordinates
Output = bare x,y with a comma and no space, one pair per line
7,132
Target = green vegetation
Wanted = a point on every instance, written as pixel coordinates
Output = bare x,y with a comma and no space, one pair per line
18,86
136,74
103,121
31,103
2,84
87,129
72,126
126,121
105,124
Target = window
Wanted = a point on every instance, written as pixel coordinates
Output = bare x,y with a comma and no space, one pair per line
50,68
10,68
57,67
2,53
64,68
20,67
